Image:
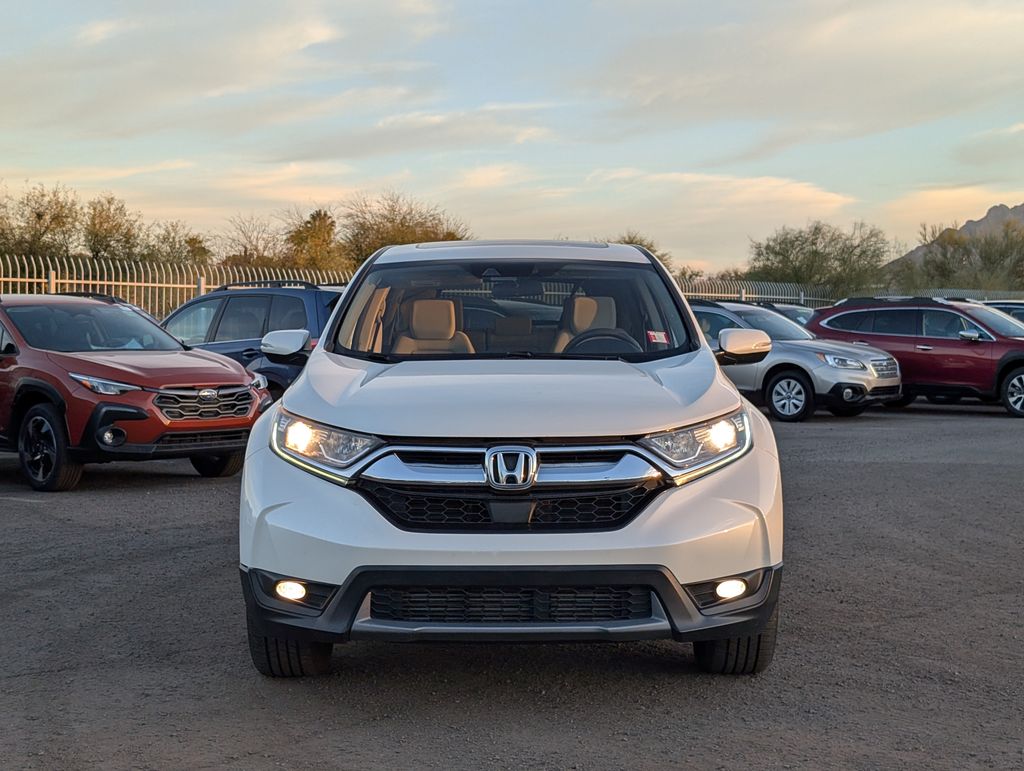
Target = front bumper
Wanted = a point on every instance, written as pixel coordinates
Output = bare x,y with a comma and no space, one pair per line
674,612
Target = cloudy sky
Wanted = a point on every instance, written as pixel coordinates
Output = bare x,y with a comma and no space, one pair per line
703,124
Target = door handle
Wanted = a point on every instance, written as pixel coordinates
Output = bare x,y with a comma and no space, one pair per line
250,353
861,342
923,347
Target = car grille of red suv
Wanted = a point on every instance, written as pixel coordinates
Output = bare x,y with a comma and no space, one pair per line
204,403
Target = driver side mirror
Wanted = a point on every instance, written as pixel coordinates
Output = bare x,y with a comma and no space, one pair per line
970,335
285,343
742,346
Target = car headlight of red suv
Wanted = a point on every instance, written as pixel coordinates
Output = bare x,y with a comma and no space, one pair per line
99,385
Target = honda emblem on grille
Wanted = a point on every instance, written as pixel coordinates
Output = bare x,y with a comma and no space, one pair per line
208,395
510,468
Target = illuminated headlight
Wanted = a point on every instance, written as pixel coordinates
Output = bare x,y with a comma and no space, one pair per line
697,450
100,386
259,383
841,362
316,447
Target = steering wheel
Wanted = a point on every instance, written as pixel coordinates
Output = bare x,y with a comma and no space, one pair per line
603,340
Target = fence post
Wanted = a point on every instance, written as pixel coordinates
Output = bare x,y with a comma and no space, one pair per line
51,282
802,297
201,285
743,295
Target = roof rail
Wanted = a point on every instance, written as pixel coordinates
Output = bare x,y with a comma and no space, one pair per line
269,283
894,300
107,298
703,301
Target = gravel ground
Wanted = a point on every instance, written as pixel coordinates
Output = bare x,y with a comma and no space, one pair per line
123,640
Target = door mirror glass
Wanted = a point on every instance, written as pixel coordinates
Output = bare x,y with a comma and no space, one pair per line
743,346
285,342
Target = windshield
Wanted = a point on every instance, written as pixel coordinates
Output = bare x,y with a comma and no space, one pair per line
83,327
508,308
999,322
776,325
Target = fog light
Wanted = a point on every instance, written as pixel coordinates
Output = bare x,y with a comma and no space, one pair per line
731,588
848,394
108,437
290,590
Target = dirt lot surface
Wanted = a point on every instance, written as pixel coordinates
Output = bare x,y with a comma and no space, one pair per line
902,642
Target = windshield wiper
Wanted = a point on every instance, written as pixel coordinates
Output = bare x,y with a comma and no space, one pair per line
518,355
383,358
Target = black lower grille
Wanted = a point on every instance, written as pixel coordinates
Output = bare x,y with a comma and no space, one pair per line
884,391
473,509
205,440
510,604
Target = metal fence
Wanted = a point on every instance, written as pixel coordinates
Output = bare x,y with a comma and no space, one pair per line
157,287
757,291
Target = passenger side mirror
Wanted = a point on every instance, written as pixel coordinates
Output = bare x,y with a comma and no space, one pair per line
285,343
742,346
970,335
10,349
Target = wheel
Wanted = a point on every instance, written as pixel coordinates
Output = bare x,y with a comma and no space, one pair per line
944,399
1013,393
739,655
789,396
43,451
279,657
903,401
218,465
847,410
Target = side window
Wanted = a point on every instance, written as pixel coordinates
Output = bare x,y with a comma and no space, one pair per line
287,312
243,319
852,322
895,322
193,323
946,325
713,323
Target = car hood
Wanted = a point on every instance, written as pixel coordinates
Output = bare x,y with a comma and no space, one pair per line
511,398
832,346
156,369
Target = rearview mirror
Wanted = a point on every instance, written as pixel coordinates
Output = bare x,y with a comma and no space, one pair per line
285,342
970,335
742,346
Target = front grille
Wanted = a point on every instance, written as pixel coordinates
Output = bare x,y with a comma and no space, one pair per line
205,440
510,604
187,403
885,368
479,509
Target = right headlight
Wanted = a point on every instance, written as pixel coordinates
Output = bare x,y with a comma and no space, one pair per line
702,448
317,448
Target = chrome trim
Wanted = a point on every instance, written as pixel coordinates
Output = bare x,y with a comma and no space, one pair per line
629,469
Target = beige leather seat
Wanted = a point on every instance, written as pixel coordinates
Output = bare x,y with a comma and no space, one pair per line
432,330
581,314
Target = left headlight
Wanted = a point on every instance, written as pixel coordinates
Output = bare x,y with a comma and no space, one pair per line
100,386
841,362
700,449
316,447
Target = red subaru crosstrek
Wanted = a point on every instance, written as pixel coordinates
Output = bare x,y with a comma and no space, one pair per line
87,380
947,349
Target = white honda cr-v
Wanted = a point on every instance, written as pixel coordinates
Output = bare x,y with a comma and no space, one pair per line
512,441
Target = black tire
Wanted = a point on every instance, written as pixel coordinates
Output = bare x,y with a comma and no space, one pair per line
944,399
789,396
218,465
904,401
43,451
739,655
278,657
1012,392
847,410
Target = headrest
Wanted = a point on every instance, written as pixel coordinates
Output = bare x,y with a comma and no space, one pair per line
591,313
432,320
513,326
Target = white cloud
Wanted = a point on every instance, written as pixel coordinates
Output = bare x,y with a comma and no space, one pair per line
100,31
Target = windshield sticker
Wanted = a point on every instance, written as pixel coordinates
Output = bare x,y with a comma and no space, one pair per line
657,336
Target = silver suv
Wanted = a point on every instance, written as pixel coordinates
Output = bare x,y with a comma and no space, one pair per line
802,372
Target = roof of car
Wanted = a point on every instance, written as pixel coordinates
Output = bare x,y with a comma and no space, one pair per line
14,300
534,250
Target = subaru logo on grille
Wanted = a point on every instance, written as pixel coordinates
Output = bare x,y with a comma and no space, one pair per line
208,395
510,468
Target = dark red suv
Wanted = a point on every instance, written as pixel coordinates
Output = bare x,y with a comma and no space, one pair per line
947,349
85,380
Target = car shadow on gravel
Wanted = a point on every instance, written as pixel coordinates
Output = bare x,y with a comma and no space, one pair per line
113,478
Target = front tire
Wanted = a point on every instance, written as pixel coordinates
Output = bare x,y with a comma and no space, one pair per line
739,655
281,657
43,451
1013,393
218,465
789,396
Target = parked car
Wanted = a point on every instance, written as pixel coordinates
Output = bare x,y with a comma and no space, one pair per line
802,372
801,314
232,319
86,380
947,349
595,478
1013,308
